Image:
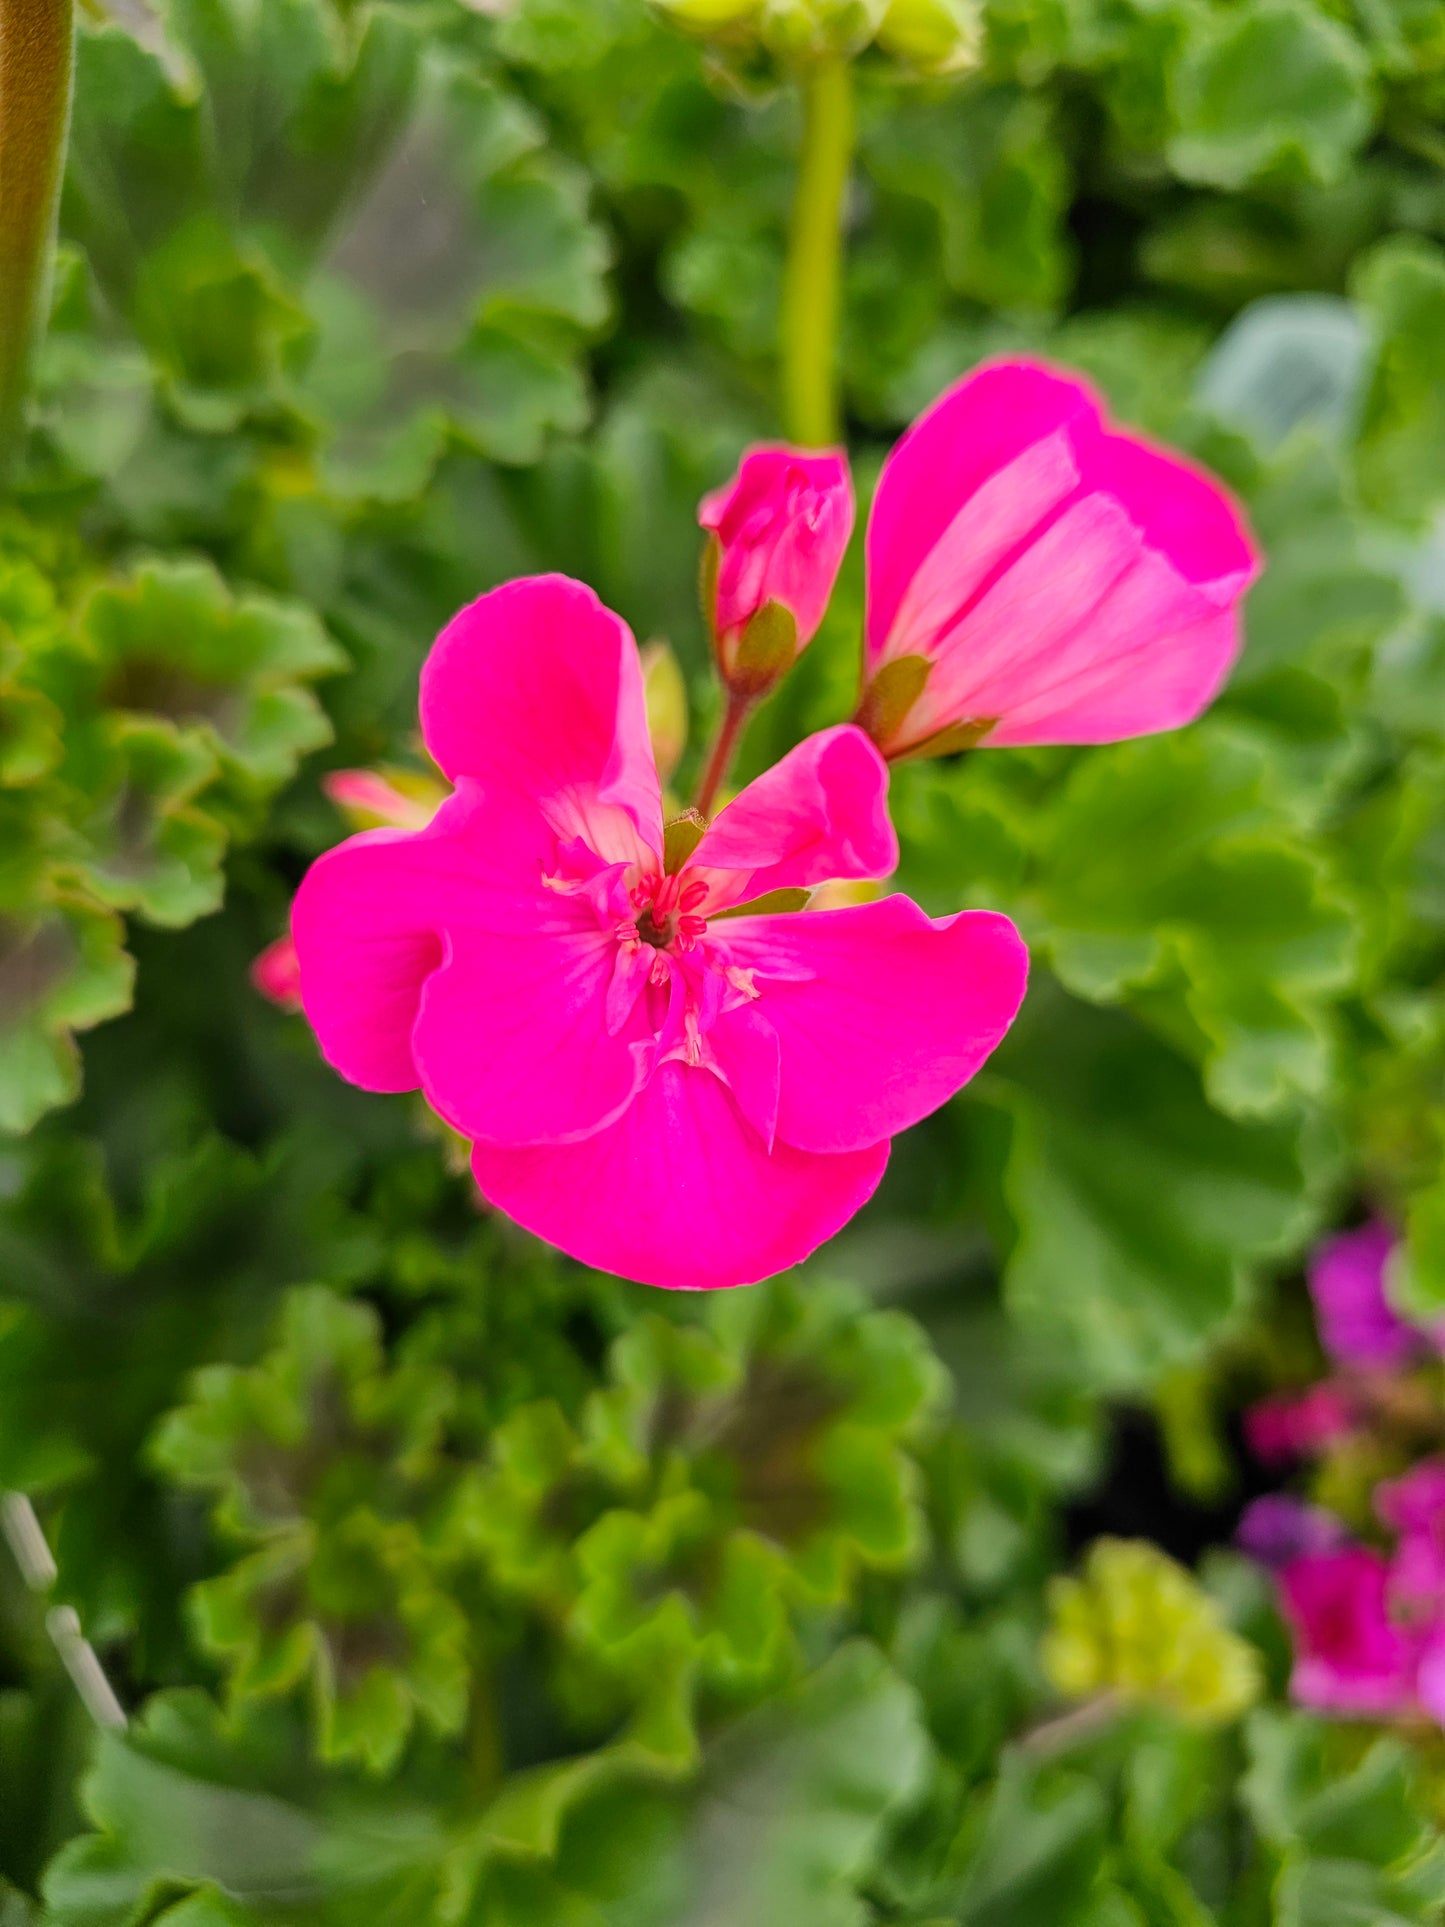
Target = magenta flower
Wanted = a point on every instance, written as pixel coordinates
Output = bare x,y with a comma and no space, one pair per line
664,1088
1356,1323
1035,578
1293,1426
781,527
1414,1506
1350,1655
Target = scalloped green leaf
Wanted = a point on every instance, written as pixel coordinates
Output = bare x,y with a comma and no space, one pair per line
1279,87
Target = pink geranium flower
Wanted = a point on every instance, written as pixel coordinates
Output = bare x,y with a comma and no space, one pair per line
1358,1326
1297,1425
1034,577
663,1088
1351,1656
781,526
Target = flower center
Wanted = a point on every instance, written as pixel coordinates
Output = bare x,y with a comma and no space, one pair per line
659,935
666,911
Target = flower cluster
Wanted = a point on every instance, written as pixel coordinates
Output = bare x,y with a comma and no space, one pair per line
660,1065
1366,1607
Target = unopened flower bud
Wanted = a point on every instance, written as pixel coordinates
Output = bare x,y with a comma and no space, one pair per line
276,973
779,531
806,29
720,19
935,36
393,799
665,692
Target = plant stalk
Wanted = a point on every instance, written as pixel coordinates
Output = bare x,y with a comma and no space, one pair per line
720,756
36,61
814,264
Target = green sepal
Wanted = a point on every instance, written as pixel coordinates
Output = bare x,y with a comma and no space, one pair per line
765,652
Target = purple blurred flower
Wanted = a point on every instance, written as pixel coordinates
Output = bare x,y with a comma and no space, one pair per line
1278,1529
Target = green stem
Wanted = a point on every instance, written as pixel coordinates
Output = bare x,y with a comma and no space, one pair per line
720,756
815,246
36,39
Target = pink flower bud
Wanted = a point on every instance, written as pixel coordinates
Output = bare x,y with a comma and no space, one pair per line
395,800
276,973
780,529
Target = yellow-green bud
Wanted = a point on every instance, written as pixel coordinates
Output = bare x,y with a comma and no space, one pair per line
1137,1626
722,18
806,29
936,36
666,695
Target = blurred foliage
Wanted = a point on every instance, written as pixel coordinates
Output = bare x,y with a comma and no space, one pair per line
450,1583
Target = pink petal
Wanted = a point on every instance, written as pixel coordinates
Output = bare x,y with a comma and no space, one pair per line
369,916
1069,585
882,1012
980,426
537,687
1430,1680
819,814
679,1192
1415,1502
512,1041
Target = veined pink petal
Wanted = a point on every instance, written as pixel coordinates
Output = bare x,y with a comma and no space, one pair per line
1066,584
976,429
881,1011
680,1192
819,814
537,688
369,915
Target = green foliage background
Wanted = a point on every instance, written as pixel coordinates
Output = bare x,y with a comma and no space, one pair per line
445,1581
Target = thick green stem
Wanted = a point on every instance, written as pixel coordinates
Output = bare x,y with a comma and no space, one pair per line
815,243
36,38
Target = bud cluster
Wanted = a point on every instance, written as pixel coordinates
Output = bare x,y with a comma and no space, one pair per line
933,36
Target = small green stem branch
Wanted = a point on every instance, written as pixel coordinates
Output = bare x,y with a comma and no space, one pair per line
720,756
36,38
1064,1730
815,243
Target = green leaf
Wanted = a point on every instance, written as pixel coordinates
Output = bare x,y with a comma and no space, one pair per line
1277,88
788,1815
1164,861
1401,286
1140,1210
62,969
181,1804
